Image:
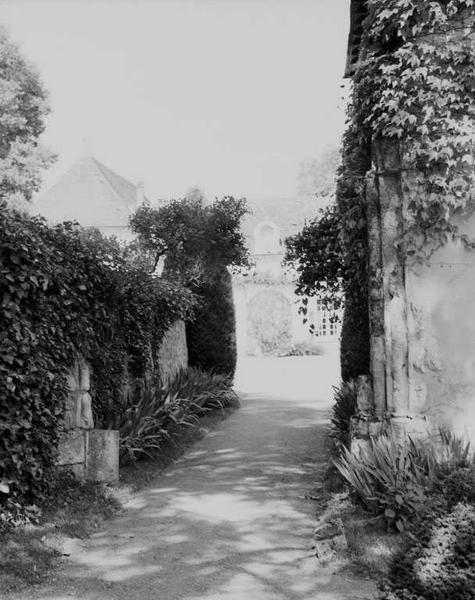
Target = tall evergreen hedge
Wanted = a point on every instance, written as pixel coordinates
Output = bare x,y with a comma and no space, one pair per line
211,335
355,340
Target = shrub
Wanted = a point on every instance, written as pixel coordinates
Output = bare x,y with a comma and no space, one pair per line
438,561
151,410
211,335
344,407
200,242
64,292
389,477
394,477
354,345
304,348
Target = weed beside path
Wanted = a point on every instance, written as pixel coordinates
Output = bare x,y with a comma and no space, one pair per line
230,520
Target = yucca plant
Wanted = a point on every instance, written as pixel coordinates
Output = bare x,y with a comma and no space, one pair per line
389,476
455,451
208,390
152,410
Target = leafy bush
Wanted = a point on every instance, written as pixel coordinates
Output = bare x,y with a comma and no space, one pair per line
354,344
344,407
211,335
304,349
394,477
62,293
389,477
200,242
331,255
438,561
454,485
151,410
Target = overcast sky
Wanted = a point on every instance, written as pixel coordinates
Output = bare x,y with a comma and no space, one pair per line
227,95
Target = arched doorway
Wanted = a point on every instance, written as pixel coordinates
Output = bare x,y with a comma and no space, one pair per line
269,324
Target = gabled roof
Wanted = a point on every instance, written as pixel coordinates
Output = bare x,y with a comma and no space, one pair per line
89,193
358,14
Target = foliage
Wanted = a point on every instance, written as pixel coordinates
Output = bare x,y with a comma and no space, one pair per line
438,557
64,293
199,243
211,335
24,106
152,410
438,561
394,477
355,345
270,322
415,86
343,409
305,348
331,255
193,236
389,477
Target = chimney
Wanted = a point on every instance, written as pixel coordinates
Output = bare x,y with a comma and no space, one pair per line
139,193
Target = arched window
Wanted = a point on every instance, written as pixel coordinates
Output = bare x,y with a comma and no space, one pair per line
267,238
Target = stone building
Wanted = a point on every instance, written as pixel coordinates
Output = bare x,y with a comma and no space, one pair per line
268,321
95,196
422,317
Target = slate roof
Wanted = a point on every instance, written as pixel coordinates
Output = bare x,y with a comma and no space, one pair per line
90,193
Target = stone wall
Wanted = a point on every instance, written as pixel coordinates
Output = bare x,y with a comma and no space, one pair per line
88,453
173,353
422,316
441,330
422,319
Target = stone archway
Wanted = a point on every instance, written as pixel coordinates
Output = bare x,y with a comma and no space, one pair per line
269,323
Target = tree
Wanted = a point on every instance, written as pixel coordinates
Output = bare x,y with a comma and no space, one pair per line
331,256
199,243
23,107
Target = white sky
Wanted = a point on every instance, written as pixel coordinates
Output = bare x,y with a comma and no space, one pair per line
227,95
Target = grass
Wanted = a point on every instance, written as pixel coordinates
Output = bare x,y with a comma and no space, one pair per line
370,548
77,510
73,510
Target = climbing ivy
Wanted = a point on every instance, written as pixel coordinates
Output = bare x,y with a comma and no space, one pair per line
418,88
64,292
414,87
330,255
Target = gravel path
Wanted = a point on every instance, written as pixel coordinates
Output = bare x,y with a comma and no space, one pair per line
228,521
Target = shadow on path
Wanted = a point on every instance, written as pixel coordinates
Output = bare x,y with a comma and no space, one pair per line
228,521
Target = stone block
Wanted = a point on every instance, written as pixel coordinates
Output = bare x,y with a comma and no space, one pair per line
102,463
78,412
77,471
72,448
329,539
329,529
365,393
84,376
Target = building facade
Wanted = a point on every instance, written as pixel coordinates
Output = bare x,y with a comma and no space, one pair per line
267,308
95,196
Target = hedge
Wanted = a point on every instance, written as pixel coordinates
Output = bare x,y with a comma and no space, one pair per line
211,335
63,292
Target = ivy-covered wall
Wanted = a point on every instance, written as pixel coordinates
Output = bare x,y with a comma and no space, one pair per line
413,96
64,292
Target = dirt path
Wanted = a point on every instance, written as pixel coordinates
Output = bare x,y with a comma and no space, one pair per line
228,521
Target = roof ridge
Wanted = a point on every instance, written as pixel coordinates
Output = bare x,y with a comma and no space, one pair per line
109,176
